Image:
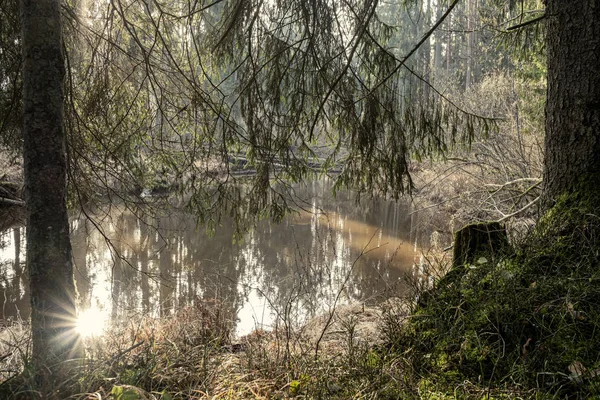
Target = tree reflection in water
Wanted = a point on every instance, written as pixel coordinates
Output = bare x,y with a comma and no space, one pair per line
289,271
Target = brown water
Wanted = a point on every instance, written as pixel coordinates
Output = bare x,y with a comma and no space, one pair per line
293,270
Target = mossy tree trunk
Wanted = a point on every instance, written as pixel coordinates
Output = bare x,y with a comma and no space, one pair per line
573,98
49,261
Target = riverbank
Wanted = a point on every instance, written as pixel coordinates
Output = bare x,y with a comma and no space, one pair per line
496,328
190,356
522,325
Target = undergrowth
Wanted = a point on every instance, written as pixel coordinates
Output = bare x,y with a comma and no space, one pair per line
190,355
525,324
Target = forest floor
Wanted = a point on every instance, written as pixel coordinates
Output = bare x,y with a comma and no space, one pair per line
523,324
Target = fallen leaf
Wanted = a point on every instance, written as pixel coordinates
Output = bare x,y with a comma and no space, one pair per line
577,370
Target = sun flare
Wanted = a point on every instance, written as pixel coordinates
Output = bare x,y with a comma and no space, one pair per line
91,322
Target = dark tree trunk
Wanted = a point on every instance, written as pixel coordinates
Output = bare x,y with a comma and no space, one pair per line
48,248
573,100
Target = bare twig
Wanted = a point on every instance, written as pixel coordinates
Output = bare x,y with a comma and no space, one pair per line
413,50
12,202
525,207
436,204
531,21
122,353
538,180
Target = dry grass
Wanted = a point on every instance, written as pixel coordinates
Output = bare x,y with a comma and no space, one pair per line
191,355
14,348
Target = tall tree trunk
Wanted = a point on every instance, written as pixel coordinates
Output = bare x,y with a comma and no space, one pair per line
427,52
80,236
573,99
145,243
469,60
438,40
49,260
17,244
167,284
449,44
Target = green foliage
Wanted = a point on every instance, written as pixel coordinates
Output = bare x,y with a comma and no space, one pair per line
165,395
295,387
298,385
528,321
163,95
126,393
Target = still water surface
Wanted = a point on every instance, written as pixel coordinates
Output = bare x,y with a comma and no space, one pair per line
332,250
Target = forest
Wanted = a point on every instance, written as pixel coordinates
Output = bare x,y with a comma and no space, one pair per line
317,199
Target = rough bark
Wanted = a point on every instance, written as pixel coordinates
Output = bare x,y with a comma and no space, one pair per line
573,98
49,261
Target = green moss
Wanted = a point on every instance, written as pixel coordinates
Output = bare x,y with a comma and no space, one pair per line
523,319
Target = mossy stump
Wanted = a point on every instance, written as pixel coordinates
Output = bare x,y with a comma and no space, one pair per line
478,240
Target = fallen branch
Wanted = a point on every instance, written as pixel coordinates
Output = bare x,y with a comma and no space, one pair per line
11,202
538,180
436,204
499,187
525,207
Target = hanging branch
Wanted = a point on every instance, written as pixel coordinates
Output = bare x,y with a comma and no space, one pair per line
410,53
531,21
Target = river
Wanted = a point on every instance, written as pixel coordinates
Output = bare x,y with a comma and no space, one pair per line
333,250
